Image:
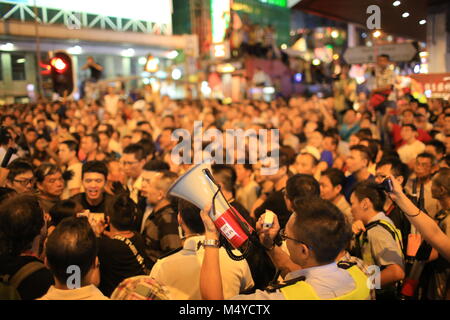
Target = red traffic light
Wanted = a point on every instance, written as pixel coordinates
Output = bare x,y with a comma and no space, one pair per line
59,64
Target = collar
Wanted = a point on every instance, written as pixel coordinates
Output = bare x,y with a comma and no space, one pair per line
191,244
86,292
314,272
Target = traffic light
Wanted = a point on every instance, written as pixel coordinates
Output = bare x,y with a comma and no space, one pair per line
62,73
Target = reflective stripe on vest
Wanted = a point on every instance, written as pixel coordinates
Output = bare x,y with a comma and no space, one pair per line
304,291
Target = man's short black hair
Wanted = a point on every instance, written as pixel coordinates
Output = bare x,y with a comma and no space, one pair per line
190,215
413,127
301,186
135,149
371,191
72,243
21,220
71,145
386,56
373,147
438,145
336,177
95,166
322,227
156,165
18,166
5,136
148,146
226,175
122,212
365,152
94,137
46,169
428,156
61,210
398,168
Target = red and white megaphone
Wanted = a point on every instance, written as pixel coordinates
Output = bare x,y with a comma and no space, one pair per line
198,187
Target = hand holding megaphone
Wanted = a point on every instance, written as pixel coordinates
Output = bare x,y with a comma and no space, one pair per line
211,231
267,234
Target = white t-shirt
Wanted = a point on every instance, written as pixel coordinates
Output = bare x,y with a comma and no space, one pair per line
180,272
111,102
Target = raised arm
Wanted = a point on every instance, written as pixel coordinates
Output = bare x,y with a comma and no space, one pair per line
426,226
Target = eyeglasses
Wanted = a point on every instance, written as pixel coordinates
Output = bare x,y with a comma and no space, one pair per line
25,182
285,237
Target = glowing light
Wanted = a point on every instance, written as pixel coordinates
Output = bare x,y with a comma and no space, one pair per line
405,14
21,60
219,50
396,3
176,74
416,68
423,54
7,47
334,34
152,64
172,54
142,61
423,21
335,56
127,52
75,50
376,34
226,68
284,46
268,90
58,64
316,62
298,77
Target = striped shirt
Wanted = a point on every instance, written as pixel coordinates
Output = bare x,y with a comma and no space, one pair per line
161,233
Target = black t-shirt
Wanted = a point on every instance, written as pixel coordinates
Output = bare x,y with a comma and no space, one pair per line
100,208
95,73
117,262
35,285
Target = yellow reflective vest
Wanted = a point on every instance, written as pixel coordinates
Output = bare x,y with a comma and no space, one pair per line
304,291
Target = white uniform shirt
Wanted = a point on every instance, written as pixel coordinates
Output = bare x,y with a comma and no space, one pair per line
180,272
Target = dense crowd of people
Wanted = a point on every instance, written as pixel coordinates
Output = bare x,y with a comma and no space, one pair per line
84,191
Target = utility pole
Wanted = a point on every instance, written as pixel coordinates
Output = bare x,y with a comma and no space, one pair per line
38,52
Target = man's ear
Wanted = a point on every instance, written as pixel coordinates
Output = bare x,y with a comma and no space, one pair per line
400,180
365,203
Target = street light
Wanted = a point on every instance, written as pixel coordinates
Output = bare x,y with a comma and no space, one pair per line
423,21
396,3
405,14
376,33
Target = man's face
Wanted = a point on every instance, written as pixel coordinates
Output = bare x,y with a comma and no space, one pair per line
327,190
407,133
382,62
164,139
148,189
304,164
423,167
52,185
88,145
408,118
328,144
355,161
241,173
357,208
104,141
115,172
132,167
64,153
31,137
23,182
94,185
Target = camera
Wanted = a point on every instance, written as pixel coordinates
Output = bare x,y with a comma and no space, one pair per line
386,185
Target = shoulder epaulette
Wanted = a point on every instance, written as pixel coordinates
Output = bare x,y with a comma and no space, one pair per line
276,286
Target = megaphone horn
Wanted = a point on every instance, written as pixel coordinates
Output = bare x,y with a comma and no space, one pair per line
198,187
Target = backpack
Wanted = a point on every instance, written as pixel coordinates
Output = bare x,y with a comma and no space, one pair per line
9,284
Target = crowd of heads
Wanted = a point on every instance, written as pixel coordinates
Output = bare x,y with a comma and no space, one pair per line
124,158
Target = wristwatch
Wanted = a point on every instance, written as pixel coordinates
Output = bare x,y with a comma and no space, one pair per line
211,243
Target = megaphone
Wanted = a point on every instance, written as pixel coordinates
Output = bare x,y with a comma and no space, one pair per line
198,187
